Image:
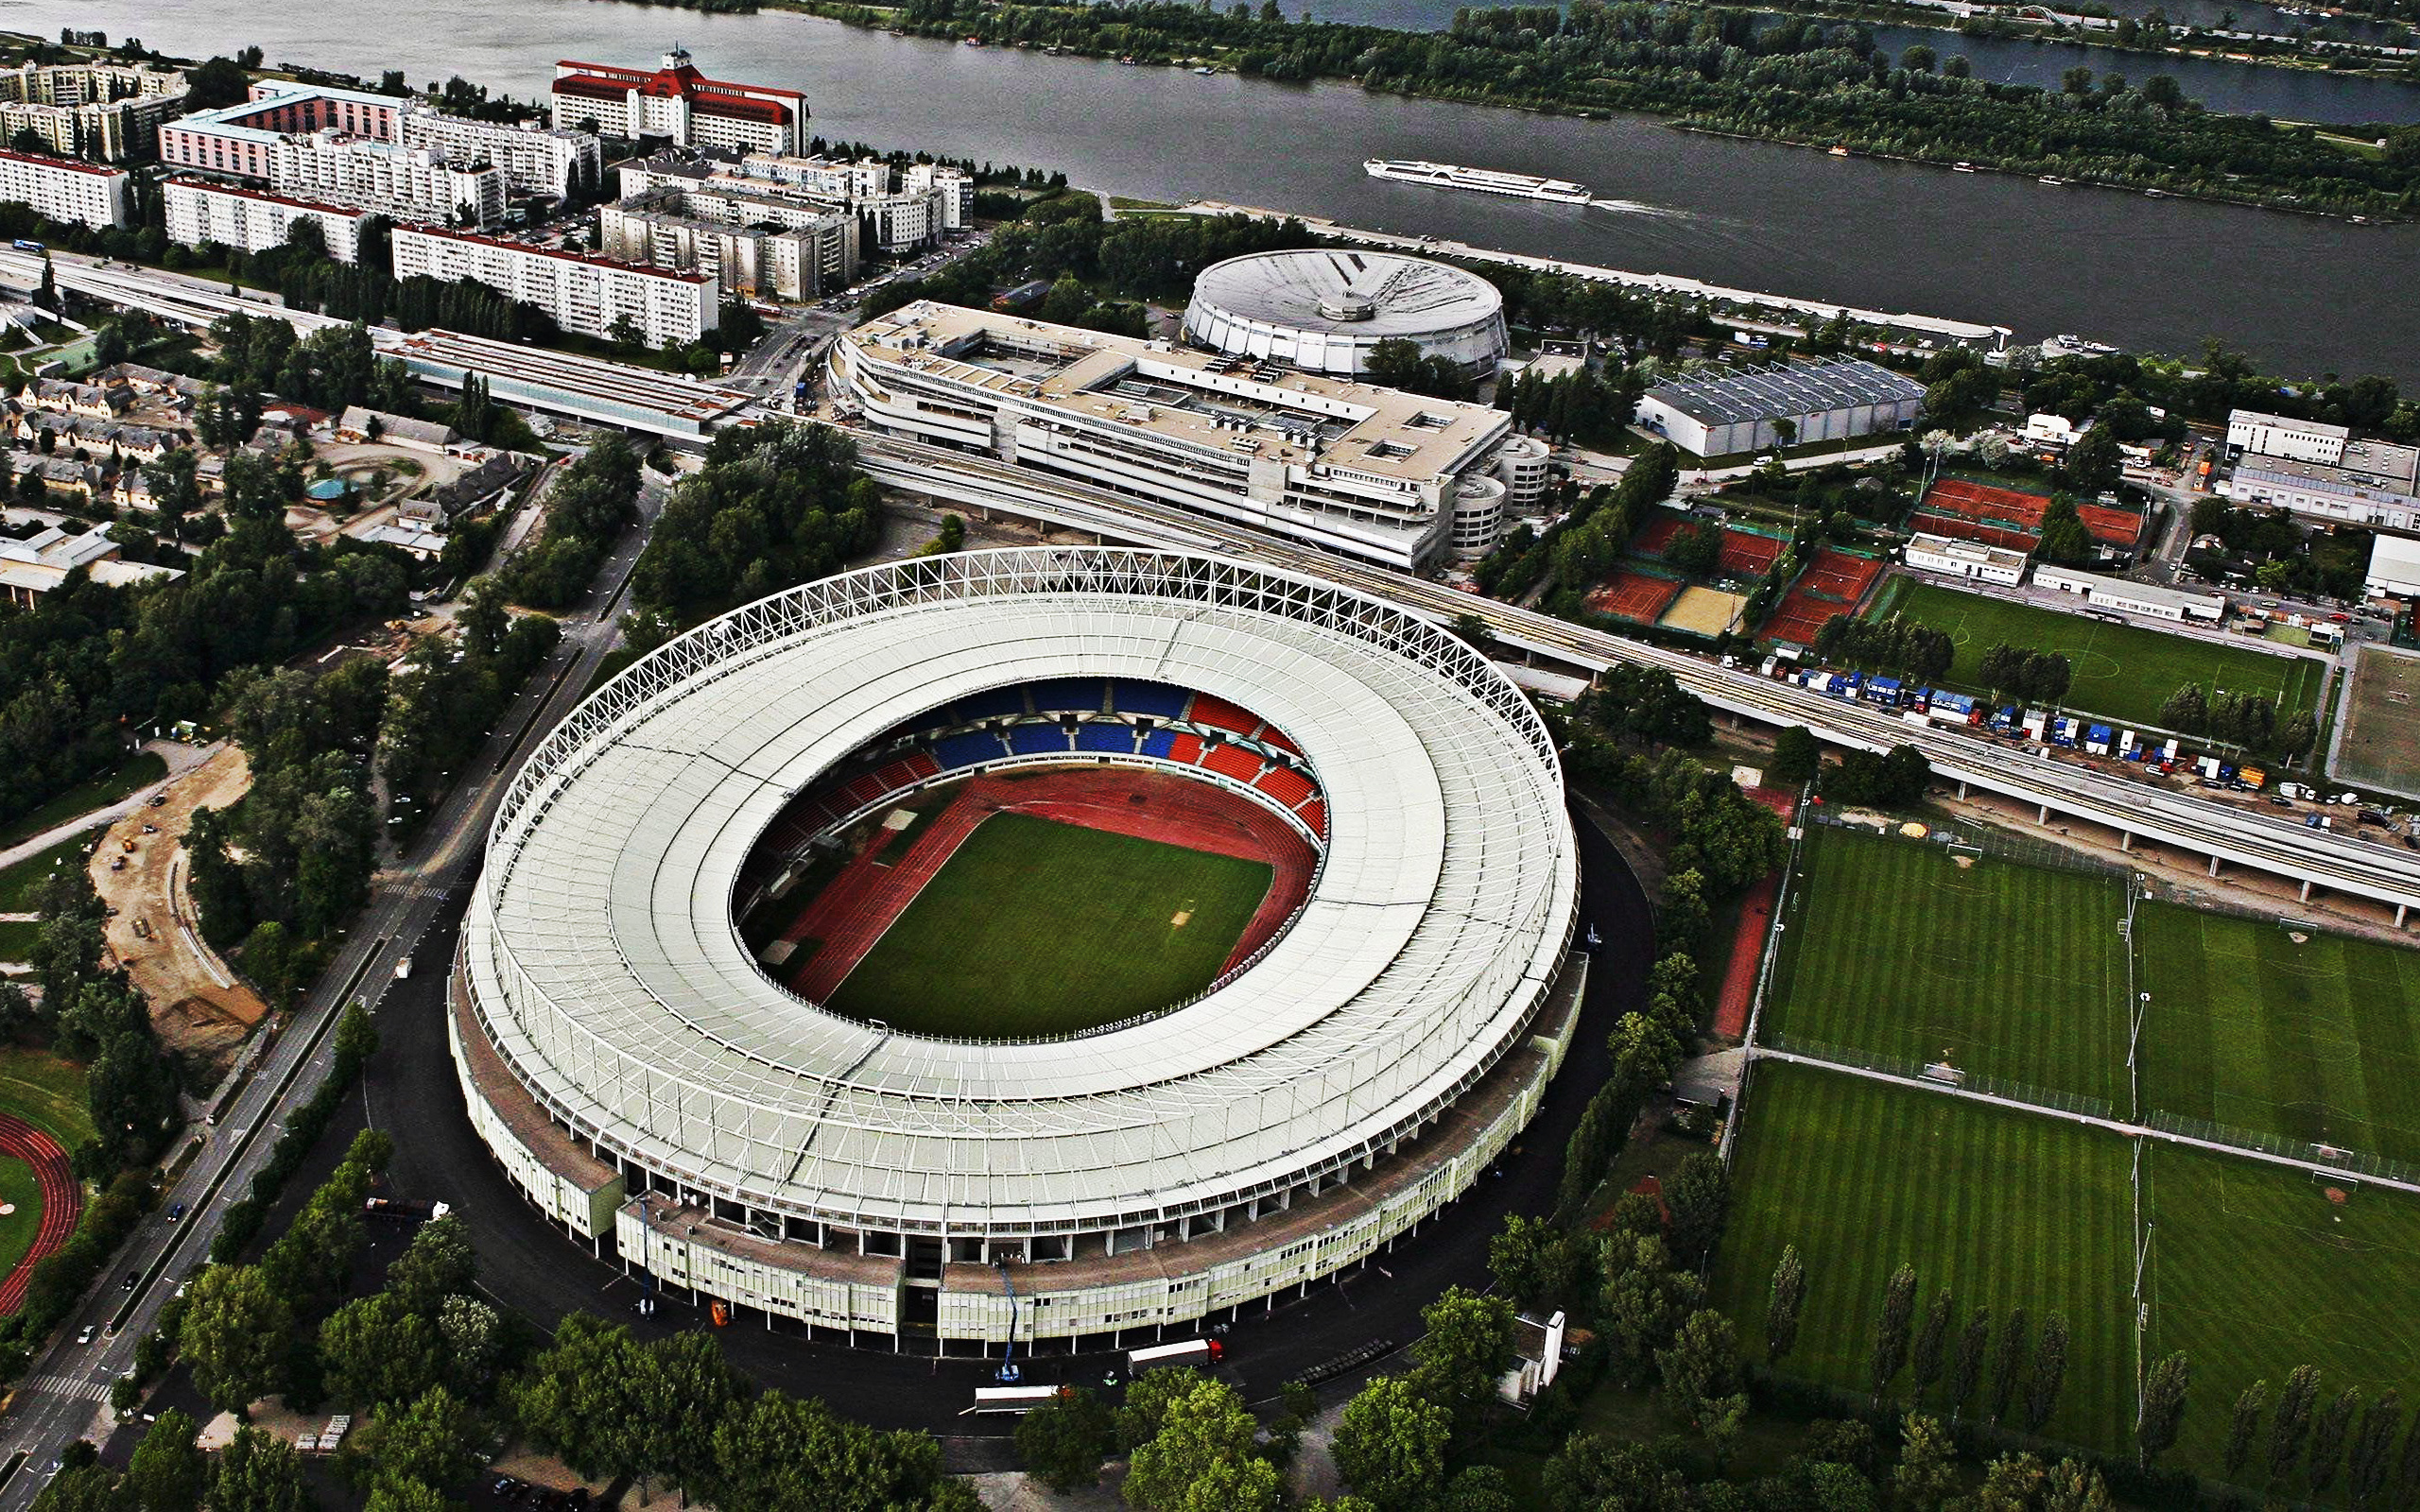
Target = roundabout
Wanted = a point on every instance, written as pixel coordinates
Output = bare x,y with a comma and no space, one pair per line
635,1054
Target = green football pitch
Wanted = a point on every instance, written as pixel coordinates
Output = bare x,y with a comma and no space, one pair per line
2005,1208
2250,1270
2316,1041
1034,927
2122,672
1901,949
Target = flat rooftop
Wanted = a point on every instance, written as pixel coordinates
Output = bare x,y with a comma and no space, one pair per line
2318,476
1210,400
2285,422
1967,551
1732,395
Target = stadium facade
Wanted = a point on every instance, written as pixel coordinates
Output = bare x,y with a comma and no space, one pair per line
652,1090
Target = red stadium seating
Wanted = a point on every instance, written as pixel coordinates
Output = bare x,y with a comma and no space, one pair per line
1285,784
1220,715
1233,761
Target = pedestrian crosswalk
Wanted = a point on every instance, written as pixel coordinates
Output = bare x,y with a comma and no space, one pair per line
69,1386
417,889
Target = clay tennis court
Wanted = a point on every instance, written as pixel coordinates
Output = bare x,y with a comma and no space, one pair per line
1662,528
1629,594
2013,509
1831,587
1708,612
1745,554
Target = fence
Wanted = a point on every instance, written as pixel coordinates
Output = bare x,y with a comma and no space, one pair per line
2003,845
2051,1098
2303,1152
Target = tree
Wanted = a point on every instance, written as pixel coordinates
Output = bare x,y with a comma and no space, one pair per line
685,1389
2164,1396
377,1351
434,1441
437,1264
2050,1373
2329,1431
1201,1454
2291,1425
1932,1339
1466,1346
1974,1343
1701,1369
2244,1426
2010,1363
774,1453
1796,756
1783,1298
1062,1442
1391,1444
1534,1263
168,1469
1700,1197
2186,712
258,1472
1927,1470
236,1335
2366,1468
1891,1329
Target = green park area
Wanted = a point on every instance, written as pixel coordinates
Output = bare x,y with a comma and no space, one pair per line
137,773
1035,927
2123,672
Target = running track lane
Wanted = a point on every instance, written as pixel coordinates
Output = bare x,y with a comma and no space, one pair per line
62,1201
1748,945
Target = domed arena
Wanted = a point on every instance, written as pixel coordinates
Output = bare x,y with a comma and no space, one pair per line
1324,311
1039,945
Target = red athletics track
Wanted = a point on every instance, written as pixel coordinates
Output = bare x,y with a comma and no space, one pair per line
856,906
63,1199
1748,945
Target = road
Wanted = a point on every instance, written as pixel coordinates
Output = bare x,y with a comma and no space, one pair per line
64,1389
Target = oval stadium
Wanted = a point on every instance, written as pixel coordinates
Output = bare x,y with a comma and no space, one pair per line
1043,944
1324,311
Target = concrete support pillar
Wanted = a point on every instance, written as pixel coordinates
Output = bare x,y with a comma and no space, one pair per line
2400,909
2125,839
2306,889
2214,866
1961,788
2042,818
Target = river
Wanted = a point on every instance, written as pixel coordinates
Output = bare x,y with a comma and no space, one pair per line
2304,295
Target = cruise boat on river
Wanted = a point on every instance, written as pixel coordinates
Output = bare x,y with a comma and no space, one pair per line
1482,180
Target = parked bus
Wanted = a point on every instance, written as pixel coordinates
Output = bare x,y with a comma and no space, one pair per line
1014,1401
1190,1352
25,245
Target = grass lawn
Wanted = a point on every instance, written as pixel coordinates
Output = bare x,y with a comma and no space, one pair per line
18,1188
140,771
45,1091
2383,732
17,939
2254,1273
2122,672
2317,1041
1040,928
21,885
2006,1209
2010,971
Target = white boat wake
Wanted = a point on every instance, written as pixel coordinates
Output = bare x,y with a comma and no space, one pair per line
1635,207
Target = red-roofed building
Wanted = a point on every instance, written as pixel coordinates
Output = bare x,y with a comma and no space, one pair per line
678,102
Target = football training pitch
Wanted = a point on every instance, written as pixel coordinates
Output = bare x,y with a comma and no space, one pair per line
2005,1208
2251,1269
1901,949
2381,744
1034,927
2122,672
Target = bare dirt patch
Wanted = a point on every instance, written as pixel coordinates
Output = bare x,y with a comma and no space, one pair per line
199,1005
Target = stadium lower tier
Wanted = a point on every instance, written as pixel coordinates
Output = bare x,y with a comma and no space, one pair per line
1082,1292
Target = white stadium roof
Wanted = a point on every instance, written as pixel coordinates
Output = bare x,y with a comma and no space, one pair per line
1404,296
604,962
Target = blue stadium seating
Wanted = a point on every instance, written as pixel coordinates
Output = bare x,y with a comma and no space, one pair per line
1081,695
1159,700
1159,742
1037,740
1118,739
930,719
965,750
990,704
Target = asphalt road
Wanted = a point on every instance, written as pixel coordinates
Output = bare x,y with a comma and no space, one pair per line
64,1389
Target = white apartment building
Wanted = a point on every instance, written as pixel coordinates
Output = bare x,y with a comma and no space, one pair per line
78,193
676,102
2303,440
406,183
104,112
588,296
534,160
897,211
755,245
1967,558
253,220
1364,472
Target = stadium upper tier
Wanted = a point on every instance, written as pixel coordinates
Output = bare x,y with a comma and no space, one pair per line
602,961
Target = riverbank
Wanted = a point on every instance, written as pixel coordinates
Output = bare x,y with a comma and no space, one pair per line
1799,91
